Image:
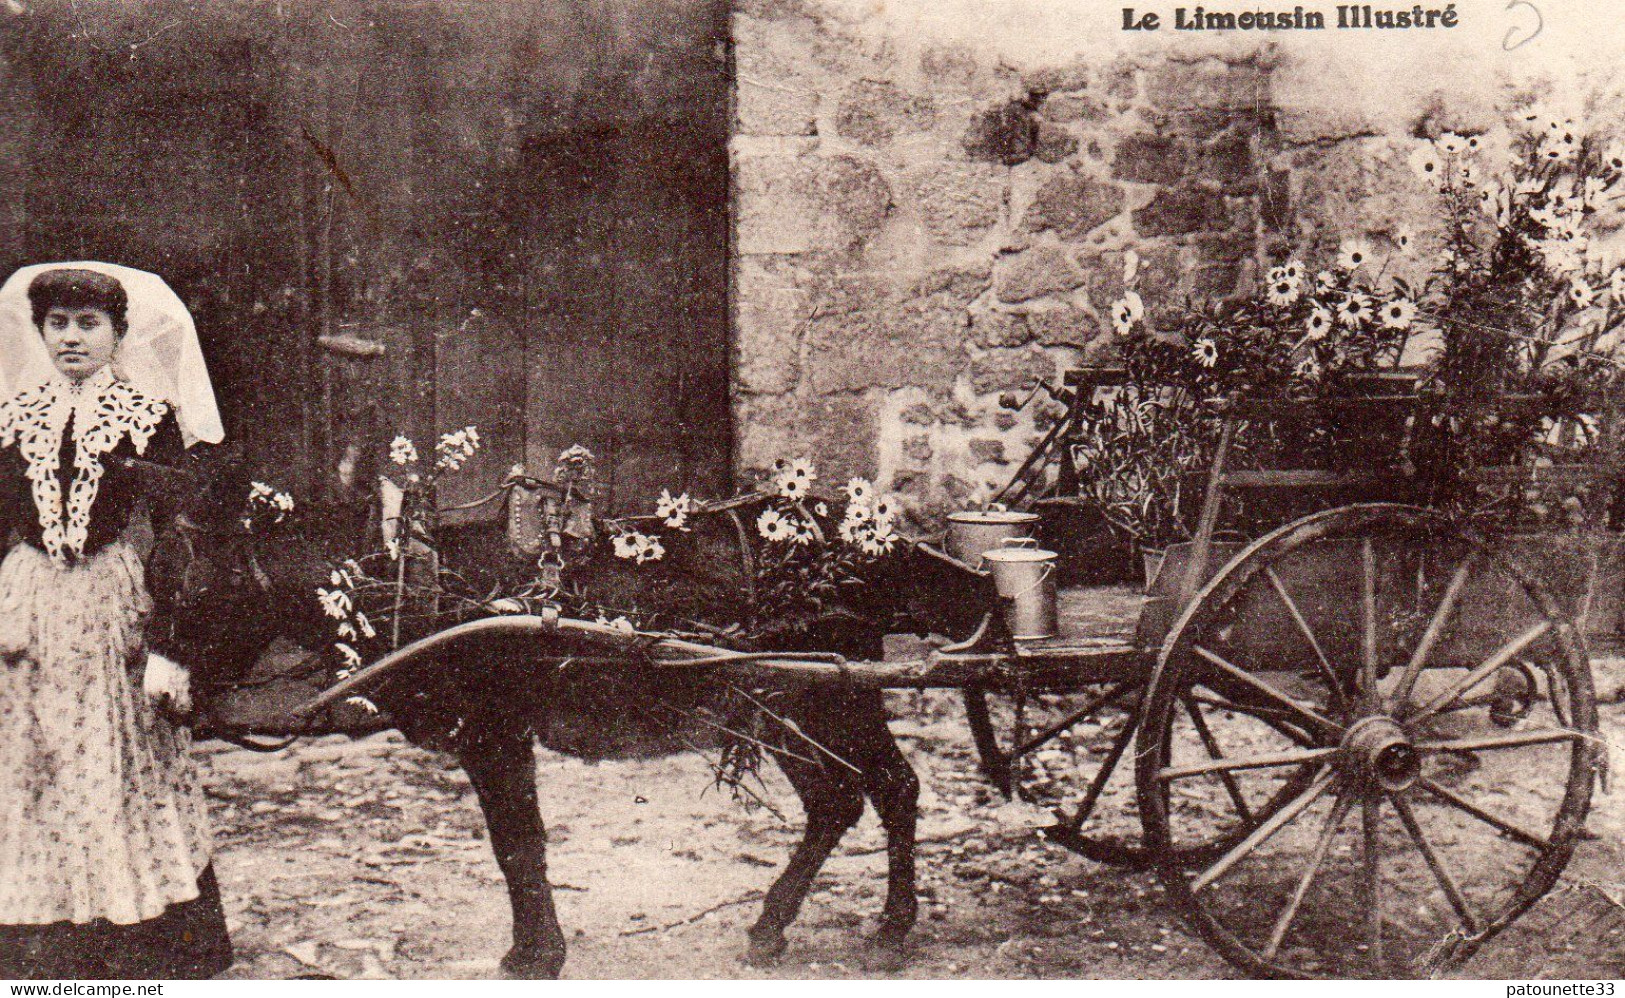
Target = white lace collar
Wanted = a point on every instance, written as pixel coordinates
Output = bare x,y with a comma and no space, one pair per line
105,411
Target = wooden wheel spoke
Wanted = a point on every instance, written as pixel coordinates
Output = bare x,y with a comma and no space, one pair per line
1274,719
1517,739
1097,786
1502,656
1368,625
1211,744
1435,631
1231,765
1304,714
1458,901
1049,734
1371,824
1461,803
1322,663
1274,823
1328,832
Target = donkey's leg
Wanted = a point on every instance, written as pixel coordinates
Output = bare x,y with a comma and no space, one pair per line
833,803
894,789
502,768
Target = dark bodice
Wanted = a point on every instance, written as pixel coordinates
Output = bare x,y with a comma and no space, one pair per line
120,493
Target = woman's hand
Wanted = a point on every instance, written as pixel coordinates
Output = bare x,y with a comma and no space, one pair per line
169,686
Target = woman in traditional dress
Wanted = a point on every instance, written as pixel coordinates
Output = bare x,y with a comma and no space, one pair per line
104,839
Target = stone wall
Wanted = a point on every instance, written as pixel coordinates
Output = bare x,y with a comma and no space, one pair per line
925,221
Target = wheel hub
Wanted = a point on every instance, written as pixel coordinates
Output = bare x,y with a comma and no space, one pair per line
1378,753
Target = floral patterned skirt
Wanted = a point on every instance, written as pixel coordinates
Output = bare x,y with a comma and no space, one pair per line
101,816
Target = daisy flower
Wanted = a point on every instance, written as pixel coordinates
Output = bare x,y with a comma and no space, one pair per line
352,658
1426,163
1325,280
859,491
625,544
1353,254
1404,240
1308,369
1319,323
885,509
1614,159
1127,312
1581,293
674,510
772,526
801,530
794,479
649,549
1206,352
1451,144
1283,292
1353,310
1398,314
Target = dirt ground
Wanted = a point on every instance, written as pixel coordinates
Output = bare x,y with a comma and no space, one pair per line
366,859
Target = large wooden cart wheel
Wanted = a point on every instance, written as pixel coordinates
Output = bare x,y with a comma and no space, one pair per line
1427,707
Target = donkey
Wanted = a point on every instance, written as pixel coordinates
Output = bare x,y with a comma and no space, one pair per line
230,592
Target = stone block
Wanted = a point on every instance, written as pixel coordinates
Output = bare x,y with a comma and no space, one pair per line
1064,326
772,97
772,312
1148,158
1039,271
987,451
917,449
1009,370
960,202
1069,107
1275,202
989,328
870,333
1054,143
838,432
948,63
1178,211
872,112
1073,204
803,203
1006,133
1228,161
1210,84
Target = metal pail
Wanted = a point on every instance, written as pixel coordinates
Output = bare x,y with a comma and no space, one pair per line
1025,575
972,532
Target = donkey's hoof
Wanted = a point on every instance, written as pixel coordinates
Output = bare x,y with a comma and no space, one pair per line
887,952
764,953
532,965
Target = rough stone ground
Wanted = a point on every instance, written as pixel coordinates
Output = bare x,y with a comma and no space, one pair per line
366,859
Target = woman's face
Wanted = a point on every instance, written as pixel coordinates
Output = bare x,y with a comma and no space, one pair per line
81,340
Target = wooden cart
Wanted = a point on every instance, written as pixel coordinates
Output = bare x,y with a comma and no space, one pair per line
1363,745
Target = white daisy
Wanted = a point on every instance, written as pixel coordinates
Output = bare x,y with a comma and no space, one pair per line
674,510
1404,240
1354,310
1206,352
1353,254
1319,323
1283,292
772,526
1398,314
1426,163
1581,294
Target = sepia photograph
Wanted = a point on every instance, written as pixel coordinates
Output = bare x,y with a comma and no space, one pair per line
811,489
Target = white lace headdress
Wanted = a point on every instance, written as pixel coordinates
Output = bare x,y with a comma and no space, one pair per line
159,354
